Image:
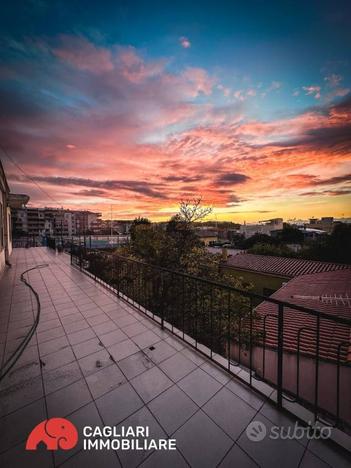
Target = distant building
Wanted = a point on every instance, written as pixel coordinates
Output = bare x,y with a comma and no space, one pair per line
311,233
325,224
269,273
207,235
118,226
263,227
7,200
52,222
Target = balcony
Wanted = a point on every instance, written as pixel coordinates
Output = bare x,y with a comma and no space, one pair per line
97,360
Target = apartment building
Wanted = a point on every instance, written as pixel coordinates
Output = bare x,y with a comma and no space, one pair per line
263,227
53,222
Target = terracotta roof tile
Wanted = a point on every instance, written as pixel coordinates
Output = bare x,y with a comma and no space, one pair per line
327,292
282,266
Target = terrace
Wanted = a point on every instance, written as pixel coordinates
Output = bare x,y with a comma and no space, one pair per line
97,360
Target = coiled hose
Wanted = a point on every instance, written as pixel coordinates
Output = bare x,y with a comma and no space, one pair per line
11,361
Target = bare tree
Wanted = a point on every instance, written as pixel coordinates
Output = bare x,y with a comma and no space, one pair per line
191,211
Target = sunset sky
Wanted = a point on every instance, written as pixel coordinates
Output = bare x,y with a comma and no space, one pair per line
141,104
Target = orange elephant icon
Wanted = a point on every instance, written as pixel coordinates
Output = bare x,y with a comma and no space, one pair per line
55,433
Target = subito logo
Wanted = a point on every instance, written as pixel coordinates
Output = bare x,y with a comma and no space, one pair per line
55,433
256,431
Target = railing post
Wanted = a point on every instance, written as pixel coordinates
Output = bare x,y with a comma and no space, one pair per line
280,355
251,330
316,376
162,305
80,258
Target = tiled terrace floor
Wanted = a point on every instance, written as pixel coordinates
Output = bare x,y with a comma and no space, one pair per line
66,371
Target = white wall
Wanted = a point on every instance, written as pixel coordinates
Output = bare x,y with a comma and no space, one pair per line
3,223
9,231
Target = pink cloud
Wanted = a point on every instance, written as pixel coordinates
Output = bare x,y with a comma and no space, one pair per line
313,91
184,42
136,69
333,80
251,92
239,94
199,79
274,86
82,54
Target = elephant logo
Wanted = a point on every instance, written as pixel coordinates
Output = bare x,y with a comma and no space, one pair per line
55,433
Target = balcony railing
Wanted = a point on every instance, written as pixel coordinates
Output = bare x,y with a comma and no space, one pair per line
222,322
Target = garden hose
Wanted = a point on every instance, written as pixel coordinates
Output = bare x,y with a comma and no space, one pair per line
11,361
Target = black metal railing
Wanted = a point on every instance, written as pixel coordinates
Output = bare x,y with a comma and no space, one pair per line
26,241
222,322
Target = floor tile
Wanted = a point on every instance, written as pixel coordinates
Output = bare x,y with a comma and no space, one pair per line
68,399
94,362
126,319
113,337
151,383
61,376
219,374
310,460
87,415
76,326
87,347
134,329
329,454
93,459
135,364
177,366
17,396
270,452
19,457
199,386
172,408
194,356
229,412
58,359
159,351
122,350
147,338
105,327
246,394
143,417
97,319
105,380
53,345
22,372
80,336
16,426
163,458
281,419
202,442
237,457
118,404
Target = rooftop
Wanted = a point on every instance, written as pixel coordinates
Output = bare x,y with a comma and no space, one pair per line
281,266
328,292
98,361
